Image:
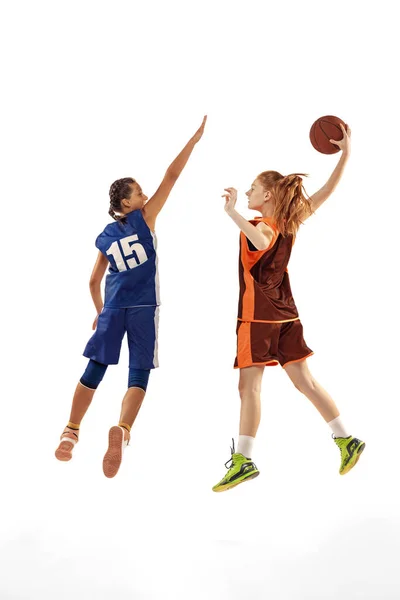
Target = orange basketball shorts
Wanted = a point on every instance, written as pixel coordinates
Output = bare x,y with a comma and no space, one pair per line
270,344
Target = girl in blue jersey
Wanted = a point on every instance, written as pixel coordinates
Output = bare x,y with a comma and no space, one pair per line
131,304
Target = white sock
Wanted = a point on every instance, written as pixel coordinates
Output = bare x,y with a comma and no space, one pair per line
245,445
338,428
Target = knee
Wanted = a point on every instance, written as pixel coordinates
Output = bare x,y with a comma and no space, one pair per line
138,378
246,390
305,385
93,374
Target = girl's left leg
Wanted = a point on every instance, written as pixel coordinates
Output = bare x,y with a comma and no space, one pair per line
81,401
302,379
350,447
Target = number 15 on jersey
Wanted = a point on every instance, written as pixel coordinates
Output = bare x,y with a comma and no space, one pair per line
130,246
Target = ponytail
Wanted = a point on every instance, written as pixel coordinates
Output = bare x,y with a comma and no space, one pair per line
292,203
119,190
112,213
116,217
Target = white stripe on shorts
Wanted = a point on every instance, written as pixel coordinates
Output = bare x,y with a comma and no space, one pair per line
157,280
156,321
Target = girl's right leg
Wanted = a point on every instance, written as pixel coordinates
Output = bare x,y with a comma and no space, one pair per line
250,412
242,467
82,399
119,435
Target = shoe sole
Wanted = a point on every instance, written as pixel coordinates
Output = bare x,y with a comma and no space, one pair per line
113,457
231,486
353,463
64,451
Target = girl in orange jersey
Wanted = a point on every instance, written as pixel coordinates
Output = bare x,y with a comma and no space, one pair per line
269,331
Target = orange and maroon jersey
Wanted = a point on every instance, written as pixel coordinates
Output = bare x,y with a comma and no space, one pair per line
265,293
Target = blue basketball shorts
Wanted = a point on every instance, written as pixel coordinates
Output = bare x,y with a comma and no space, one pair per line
141,325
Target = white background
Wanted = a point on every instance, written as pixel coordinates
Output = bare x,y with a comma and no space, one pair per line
95,91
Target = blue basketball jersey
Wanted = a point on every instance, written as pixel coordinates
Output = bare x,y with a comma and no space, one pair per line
131,249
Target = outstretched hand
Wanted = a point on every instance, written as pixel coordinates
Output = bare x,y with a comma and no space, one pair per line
198,135
345,143
230,198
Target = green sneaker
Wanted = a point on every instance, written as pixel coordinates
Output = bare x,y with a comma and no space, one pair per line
241,469
350,450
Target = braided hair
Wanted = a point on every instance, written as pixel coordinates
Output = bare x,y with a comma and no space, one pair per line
120,189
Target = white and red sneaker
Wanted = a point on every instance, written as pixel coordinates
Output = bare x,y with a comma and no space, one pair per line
67,443
116,446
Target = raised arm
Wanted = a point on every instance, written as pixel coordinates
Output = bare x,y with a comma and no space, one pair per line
95,281
260,235
323,194
156,202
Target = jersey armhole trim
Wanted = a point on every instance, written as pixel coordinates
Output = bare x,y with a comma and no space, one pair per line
152,231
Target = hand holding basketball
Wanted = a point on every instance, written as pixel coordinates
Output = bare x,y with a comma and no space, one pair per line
345,143
230,198
328,135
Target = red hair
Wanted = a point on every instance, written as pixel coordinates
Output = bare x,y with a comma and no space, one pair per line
292,203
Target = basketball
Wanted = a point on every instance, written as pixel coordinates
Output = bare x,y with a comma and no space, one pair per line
325,129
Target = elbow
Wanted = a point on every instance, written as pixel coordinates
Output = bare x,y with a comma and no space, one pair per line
262,244
171,175
94,283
